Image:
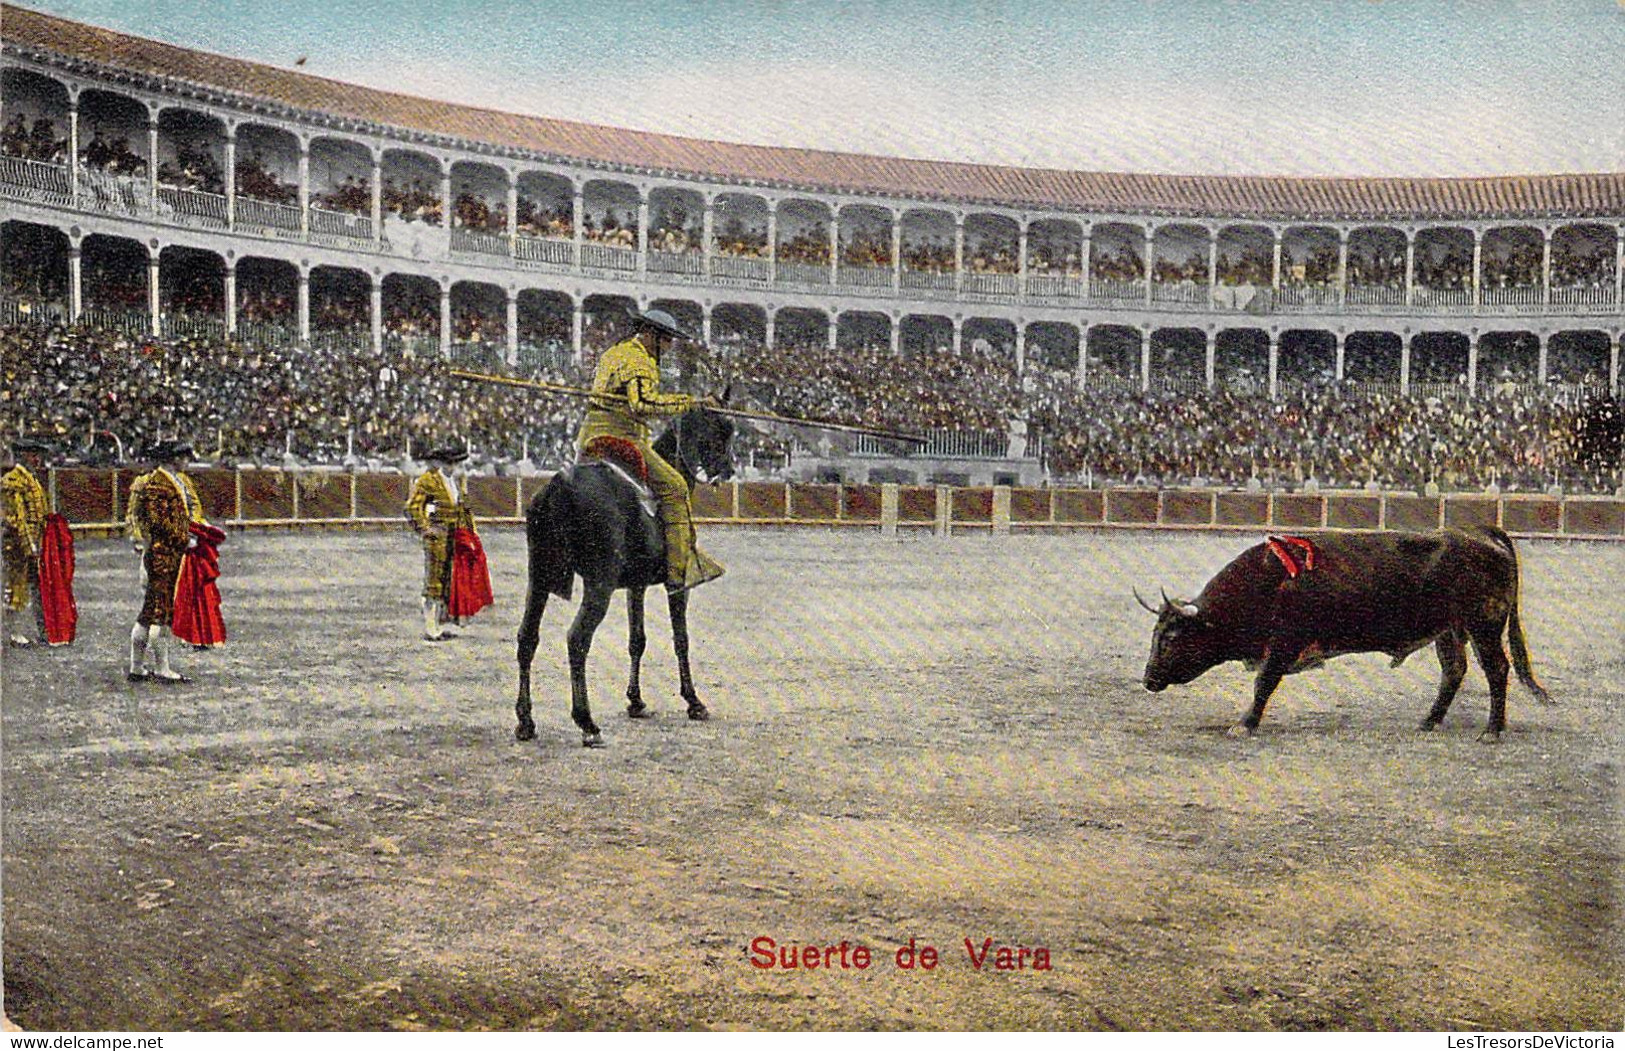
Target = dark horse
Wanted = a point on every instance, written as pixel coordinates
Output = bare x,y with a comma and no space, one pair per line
590,522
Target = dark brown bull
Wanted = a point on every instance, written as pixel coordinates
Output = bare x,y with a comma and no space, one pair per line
1291,603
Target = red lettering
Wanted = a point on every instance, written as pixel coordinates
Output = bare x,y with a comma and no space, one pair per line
809,957
762,947
928,958
860,957
977,961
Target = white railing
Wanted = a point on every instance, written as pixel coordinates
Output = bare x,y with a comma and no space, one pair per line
1512,296
342,229
35,180
191,325
1441,297
481,242
1183,292
116,320
1054,286
267,333
102,191
551,251
990,284
193,207
270,217
864,276
1299,297
1375,296
606,257
677,263
740,268
418,346
929,279
803,274
31,312
1106,288
1583,297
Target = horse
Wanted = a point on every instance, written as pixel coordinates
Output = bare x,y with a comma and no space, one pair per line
591,521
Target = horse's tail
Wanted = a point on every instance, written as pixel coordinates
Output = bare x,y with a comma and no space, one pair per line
547,531
1520,646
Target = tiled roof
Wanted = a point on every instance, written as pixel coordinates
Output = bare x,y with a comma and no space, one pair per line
1094,192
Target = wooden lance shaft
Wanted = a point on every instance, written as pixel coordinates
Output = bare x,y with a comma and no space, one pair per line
743,414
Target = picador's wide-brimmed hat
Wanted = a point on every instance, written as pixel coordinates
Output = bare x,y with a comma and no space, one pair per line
164,452
660,321
446,454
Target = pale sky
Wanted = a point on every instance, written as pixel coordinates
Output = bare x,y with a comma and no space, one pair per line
1342,87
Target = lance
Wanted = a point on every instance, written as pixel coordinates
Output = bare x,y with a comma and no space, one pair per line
743,414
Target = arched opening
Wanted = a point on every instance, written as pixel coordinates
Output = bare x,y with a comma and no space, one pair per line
1376,273
115,275
545,318
340,304
865,246
1179,359
1508,360
1439,362
1444,267
411,305
411,190
1114,357
268,300
928,249
1307,358
992,254
803,248
1241,360
1512,258
1309,267
1054,258
34,261
1117,262
1179,268
1372,358
192,291
1577,359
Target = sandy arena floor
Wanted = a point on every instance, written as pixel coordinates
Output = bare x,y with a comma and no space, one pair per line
914,739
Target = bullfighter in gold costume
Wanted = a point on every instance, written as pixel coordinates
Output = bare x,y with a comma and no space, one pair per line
436,509
25,507
629,372
163,506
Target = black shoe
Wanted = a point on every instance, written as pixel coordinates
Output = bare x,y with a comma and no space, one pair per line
176,679
138,676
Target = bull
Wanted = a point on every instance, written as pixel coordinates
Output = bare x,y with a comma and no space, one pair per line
1292,603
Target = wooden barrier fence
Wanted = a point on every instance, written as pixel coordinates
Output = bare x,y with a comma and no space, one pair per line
95,501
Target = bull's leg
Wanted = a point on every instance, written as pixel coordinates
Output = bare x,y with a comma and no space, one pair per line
529,627
1493,659
678,603
594,604
1269,677
1452,652
636,642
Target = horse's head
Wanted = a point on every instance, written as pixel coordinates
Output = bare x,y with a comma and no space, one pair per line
705,441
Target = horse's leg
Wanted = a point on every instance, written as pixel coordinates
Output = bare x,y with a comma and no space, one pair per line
594,604
529,628
636,641
678,601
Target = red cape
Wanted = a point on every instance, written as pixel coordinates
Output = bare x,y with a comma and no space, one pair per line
470,579
197,599
56,581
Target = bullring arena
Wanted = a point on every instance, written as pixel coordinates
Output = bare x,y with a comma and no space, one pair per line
924,672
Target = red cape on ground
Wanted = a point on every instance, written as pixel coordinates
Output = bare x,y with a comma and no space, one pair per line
197,599
470,578
56,581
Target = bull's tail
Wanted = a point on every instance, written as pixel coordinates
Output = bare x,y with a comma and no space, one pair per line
1515,639
547,532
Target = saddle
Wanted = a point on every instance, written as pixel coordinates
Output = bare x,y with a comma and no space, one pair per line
622,456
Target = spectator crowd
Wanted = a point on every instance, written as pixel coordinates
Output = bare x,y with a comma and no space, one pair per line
338,402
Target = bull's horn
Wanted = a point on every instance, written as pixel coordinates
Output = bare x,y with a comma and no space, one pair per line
1187,609
1148,607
